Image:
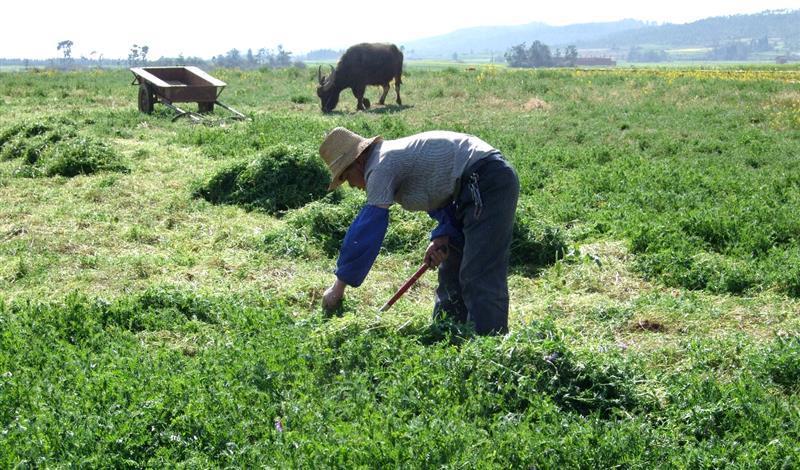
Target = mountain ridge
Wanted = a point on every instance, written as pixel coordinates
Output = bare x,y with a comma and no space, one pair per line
782,26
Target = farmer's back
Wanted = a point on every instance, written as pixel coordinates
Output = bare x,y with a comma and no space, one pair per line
421,172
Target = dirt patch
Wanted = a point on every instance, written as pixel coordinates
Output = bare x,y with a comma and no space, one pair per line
607,272
788,96
186,344
14,232
534,104
654,326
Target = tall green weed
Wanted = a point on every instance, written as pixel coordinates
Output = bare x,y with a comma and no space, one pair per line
168,377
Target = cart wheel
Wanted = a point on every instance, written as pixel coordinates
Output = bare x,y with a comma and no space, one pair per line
146,98
205,107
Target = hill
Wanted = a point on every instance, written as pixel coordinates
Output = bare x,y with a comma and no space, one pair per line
781,27
487,39
778,26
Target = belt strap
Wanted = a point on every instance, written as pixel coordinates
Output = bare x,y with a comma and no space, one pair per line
475,166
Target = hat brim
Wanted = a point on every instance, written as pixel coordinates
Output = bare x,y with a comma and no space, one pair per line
348,160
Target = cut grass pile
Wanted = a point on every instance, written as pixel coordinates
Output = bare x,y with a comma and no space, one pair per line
282,177
536,243
54,146
318,229
169,377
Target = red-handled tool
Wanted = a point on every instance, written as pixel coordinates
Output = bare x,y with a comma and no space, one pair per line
402,290
410,282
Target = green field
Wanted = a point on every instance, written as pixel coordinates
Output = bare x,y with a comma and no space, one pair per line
149,318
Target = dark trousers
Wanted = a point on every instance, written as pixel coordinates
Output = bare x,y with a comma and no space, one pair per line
473,280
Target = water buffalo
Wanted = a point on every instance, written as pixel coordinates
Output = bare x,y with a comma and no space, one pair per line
361,65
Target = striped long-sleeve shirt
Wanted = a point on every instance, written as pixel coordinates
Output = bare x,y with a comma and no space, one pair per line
422,173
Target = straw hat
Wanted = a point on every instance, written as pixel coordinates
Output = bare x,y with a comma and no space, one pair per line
340,149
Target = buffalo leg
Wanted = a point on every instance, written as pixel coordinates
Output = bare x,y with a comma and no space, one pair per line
362,103
385,92
397,90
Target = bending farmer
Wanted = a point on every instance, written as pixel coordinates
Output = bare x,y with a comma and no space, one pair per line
462,182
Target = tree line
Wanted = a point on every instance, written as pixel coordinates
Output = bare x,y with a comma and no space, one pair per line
234,58
138,56
538,55
732,50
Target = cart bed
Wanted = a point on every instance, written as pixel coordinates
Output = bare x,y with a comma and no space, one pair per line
180,84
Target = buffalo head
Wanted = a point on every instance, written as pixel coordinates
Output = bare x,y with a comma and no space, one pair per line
328,94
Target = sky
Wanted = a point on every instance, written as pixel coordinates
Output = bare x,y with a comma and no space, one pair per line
33,28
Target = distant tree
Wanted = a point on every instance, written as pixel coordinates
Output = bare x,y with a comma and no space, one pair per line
66,48
517,56
282,58
233,58
537,55
565,58
262,57
250,58
571,55
133,55
143,54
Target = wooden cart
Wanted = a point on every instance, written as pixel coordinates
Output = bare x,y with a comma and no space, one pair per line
170,85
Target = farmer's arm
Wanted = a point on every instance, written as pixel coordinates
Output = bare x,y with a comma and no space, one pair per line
359,250
440,236
448,223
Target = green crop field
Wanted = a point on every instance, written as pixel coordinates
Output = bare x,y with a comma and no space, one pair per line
160,281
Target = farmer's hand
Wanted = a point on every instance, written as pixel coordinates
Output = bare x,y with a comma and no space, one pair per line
436,252
333,295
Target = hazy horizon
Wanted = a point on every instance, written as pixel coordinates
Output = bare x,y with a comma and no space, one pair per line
204,30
